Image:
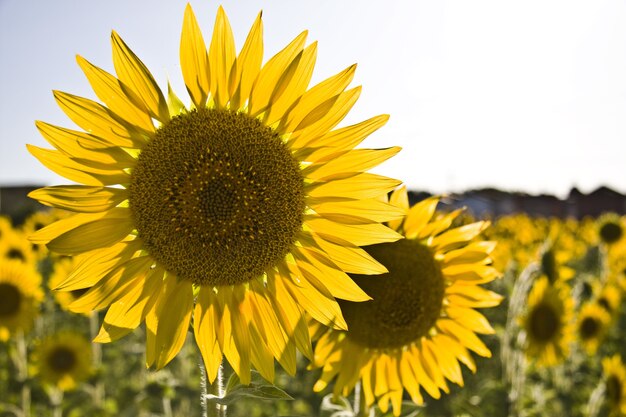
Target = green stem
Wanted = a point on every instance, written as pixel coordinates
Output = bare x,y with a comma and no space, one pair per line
360,406
56,398
216,388
98,388
22,363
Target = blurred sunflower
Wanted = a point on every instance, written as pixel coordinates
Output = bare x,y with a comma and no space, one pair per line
548,322
615,380
422,319
14,245
63,360
247,204
20,296
610,299
591,326
610,228
61,271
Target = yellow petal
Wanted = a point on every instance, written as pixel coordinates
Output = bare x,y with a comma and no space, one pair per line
46,234
448,364
130,310
292,84
456,237
316,97
221,57
321,308
111,92
358,211
270,330
344,138
470,273
473,253
74,171
323,118
175,315
194,60
418,216
289,313
96,119
464,336
260,356
247,65
83,147
136,77
409,381
270,74
92,266
80,198
356,160
350,258
319,268
205,331
359,235
470,318
356,187
101,233
115,284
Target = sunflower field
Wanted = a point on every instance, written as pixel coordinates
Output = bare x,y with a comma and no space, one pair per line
552,342
230,253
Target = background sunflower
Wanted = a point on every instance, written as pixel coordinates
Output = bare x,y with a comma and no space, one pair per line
422,322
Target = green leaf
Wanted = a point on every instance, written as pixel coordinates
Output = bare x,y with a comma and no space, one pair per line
258,388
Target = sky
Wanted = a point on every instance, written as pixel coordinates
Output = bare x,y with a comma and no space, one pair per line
523,96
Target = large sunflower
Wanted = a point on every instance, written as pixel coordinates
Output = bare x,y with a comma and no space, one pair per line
243,210
421,321
615,381
548,323
63,360
20,296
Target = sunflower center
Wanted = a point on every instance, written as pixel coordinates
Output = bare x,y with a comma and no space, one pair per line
611,232
62,359
10,299
15,253
589,328
544,323
407,301
217,197
614,389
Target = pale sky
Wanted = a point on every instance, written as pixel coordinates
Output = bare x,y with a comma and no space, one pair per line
519,95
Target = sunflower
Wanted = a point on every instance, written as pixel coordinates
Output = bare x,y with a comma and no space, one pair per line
615,381
61,270
63,360
591,326
14,245
243,210
610,228
422,319
547,322
20,296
